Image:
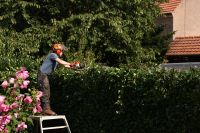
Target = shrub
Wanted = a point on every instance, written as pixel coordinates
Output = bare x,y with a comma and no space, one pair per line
18,102
111,100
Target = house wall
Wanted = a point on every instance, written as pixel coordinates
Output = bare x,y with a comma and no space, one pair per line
167,22
187,19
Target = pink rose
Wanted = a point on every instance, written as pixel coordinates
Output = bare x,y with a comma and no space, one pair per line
11,80
4,108
24,84
1,124
21,127
14,105
16,115
28,100
15,86
22,74
39,95
5,84
5,130
34,110
2,99
19,97
37,108
5,119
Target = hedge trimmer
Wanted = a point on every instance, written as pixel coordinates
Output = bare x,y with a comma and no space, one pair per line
77,65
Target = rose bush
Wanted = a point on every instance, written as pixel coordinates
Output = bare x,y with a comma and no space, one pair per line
18,103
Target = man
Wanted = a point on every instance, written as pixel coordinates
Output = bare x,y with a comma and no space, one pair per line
47,68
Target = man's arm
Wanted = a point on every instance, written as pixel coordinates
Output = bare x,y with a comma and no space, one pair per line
60,61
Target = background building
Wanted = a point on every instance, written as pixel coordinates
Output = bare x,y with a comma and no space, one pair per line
182,17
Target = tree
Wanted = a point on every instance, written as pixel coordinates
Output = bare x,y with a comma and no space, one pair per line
111,30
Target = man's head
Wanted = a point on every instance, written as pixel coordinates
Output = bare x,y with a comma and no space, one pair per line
58,48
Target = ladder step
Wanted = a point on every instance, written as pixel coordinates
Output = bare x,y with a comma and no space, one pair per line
58,127
41,119
48,117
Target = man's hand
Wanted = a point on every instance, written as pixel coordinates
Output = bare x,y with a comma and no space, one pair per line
77,65
73,64
67,66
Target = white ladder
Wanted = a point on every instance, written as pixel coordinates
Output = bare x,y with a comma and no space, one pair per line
40,119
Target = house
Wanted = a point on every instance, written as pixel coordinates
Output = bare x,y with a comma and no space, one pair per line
182,17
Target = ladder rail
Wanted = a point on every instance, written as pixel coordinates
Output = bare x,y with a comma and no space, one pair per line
44,118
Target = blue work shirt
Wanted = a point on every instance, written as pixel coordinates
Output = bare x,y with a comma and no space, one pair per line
49,64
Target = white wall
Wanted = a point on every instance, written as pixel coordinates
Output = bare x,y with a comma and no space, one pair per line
187,18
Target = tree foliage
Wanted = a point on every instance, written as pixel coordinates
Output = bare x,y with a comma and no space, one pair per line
112,31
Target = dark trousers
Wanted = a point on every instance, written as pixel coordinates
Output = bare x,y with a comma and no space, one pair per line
43,83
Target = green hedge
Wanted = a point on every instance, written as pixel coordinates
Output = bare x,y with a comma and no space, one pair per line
106,100
101,100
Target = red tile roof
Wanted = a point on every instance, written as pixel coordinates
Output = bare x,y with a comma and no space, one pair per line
170,6
184,46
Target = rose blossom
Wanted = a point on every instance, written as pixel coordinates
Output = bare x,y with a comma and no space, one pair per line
15,86
11,80
4,108
16,115
19,97
27,100
24,84
5,130
5,119
21,127
14,105
5,84
22,74
37,108
2,99
39,95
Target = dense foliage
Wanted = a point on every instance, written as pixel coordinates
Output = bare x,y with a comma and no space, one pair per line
114,33
104,31
103,100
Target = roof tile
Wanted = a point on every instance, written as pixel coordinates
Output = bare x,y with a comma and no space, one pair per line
184,46
170,6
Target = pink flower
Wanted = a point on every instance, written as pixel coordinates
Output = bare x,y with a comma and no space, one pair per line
5,130
27,100
2,99
9,117
34,110
24,84
21,127
11,80
19,97
4,108
15,86
37,108
39,95
22,74
16,115
5,119
14,105
5,84
1,125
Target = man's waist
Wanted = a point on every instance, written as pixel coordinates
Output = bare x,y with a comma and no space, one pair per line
44,73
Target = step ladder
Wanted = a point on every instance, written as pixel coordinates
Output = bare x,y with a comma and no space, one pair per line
40,119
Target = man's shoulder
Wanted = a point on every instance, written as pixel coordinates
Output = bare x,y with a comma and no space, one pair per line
52,55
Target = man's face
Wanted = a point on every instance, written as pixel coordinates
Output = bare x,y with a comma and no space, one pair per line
61,53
